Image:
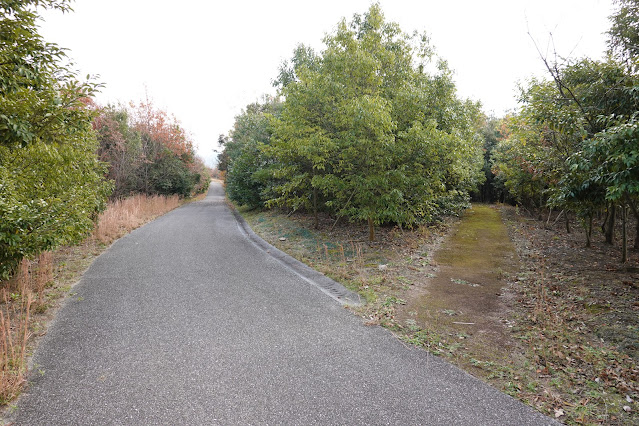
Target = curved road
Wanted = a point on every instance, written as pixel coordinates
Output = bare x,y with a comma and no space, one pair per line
187,321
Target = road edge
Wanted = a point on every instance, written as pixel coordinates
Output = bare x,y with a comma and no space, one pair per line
327,285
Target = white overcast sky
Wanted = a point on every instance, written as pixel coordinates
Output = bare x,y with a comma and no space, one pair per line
204,60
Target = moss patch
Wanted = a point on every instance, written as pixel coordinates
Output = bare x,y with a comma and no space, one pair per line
464,299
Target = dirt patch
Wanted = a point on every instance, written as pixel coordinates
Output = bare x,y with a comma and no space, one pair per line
465,295
577,318
589,283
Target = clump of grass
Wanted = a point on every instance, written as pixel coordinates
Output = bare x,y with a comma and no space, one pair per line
14,333
122,216
44,275
347,252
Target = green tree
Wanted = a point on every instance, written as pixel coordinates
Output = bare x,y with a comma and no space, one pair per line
492,189
547,130
304,57
51,183
246,163
366,130
301,146
223,156
623,34
573,145
38,91
169,174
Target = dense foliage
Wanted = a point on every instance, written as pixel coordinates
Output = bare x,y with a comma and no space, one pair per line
246,161
492,190
148,152
575,145
371,129
51,183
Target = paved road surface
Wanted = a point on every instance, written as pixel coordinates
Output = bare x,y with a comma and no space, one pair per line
187,321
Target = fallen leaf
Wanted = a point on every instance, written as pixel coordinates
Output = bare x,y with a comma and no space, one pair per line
559,412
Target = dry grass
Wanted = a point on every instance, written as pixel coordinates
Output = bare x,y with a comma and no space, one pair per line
40,283
14,332
342,252
122,216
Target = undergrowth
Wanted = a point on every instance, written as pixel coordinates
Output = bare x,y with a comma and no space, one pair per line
122,216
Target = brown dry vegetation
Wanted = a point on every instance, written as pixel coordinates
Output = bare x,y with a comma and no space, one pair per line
29,300
514,301
576,318
124,215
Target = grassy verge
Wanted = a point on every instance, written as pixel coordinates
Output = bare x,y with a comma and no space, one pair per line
29,300
559,333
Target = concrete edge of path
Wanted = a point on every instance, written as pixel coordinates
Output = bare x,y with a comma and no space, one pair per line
328,286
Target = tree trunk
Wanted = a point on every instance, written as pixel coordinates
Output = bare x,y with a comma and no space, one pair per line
371,230
635,212
610,225
316,218
589,230
567,216
605,221
624,237
541,206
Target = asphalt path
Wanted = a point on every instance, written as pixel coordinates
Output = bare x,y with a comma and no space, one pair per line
187,320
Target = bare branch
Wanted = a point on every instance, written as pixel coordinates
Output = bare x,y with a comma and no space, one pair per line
561,86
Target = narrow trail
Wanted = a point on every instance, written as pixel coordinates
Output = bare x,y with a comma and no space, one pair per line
466,295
